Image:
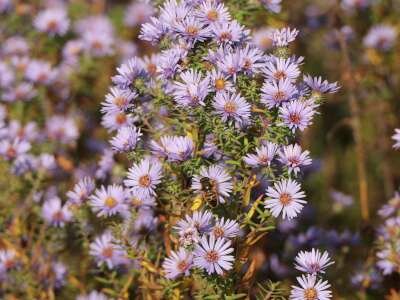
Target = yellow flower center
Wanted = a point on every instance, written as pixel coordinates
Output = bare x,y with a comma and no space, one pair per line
110,202
310,294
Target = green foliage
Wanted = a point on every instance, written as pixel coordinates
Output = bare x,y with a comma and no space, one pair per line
271,291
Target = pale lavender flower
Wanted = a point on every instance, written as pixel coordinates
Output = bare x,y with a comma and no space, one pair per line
391,207
172,12
310,288
341,199
174,148
114,121
98,44
118,100
139,201
200,221
15,129
168,64
7,75
317,85
228,32
282,37
144,176
214,255
12,149
210,149
382,37
192,30
211,12
23,91
178,263
137,13
296,114
128,72
62,129
5,5
47,161
72,50
192,90
218,178
105,164
109,201
285,197
126,139
232,107
293,157
153,31
81,191
53,21
275,93
55,214
225,228
396,138
252,60
126,50
262,38
99,24
389,258
280,68
273,5
264,155
60,273
15,45
106,251
24,163
230,64
219,82
40,72
93,295
313,261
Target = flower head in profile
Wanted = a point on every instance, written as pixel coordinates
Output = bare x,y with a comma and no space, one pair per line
214,255
126,139
128,72
201,221
144,176
311,289
81,191
313,261
178,263
106,251
232,106
55,214
316,84
219,179
285,197
174,148
263,156
282,37
53,21
293,157
109,201
274,93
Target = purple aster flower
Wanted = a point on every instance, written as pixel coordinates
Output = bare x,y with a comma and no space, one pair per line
225,229
341,199
313,261
55,214
219,82
72,50
99,24
8,261
282,37
153,31
280,68
171,12
296,114
128,72
47,161
60,273
5,5
98,45
138,13
145,221
53,21
40,72
126,139
292,157
230,64
389,258
150,64
106,251
62,129
310,288
114,121
210,149
317,85
219,179
272,5
7,75
200,221
214,255
211,12
106,164
192,90
81,191
192,30
381,37
227,32
15,45
264,155
140,201
178,263
118,100
175,148
93,295
232,106
286,197
275,93
253,60
24,163
23,91
391,207
396,138
168,64
109,201
144,176
11,149
262,38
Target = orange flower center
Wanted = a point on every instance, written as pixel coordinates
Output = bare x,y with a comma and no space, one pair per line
120,118
279,75
310,294
279,96
220,84
294,118
285,199
212,256
218,232
182,266
212,15
225,36
11,152
108,252
192,30
110,202
120,101
144,181
230,107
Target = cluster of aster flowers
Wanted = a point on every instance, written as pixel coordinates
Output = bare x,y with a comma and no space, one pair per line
388,241
208,126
